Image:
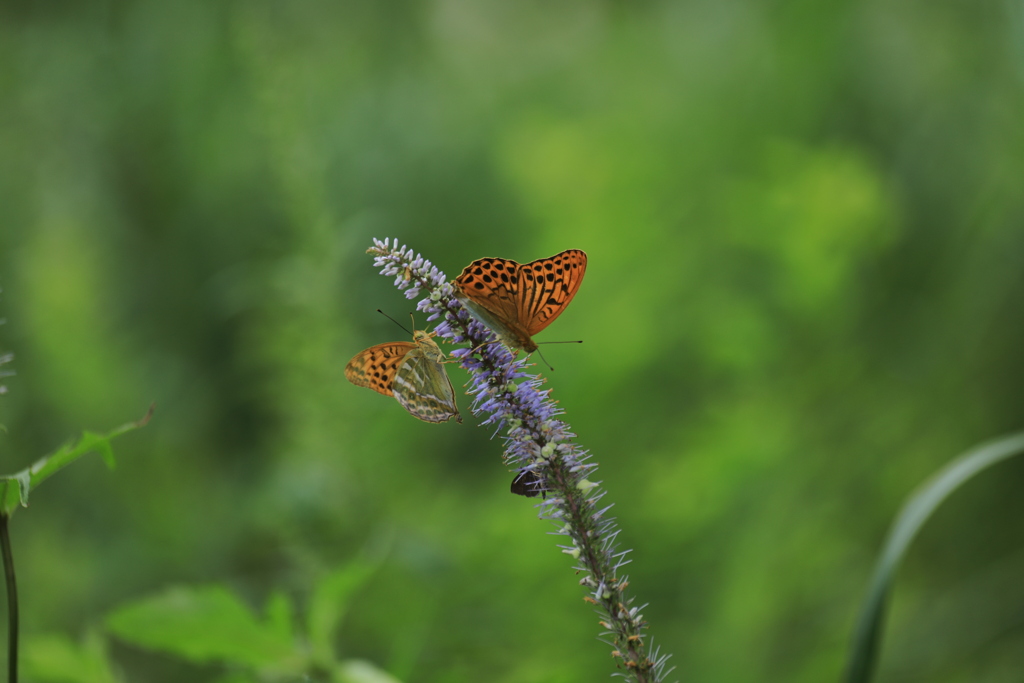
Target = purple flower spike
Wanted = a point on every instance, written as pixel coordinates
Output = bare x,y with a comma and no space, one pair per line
540,447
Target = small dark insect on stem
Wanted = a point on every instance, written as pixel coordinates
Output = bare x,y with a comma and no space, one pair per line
12,602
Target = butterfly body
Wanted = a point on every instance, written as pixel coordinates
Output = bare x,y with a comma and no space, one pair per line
504,327
412,372
518,300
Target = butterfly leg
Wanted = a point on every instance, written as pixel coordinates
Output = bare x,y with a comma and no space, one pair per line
493,341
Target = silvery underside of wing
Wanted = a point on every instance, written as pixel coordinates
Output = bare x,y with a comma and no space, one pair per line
423,388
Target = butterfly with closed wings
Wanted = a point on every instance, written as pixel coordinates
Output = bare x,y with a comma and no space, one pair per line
412,372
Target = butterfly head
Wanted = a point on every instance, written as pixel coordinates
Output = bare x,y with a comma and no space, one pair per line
427,345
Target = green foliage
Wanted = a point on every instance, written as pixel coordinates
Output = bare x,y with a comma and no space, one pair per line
357,671
804,226
204,624
58,659
327,605
15,488
916,511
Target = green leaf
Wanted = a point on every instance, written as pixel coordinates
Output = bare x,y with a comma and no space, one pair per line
916,511
281,615
328,604
57,658
236,677
360,671
14,488
203,624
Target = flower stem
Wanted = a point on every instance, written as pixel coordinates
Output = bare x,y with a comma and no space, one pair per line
12,601
538,443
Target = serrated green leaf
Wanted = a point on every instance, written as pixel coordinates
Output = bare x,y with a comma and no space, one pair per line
916,511
15,488
361,671
328,603
57,659
202,624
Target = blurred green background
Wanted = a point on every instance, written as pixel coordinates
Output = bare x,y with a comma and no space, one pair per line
805,225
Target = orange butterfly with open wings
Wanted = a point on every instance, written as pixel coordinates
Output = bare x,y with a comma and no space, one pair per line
518,300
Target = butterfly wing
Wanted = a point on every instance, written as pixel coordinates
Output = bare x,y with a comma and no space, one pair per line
546,286
517,301
489,288
527,483
422,386
377,366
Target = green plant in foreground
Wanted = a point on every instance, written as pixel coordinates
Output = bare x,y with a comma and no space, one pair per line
14,493
916,510
198,624
204,624
211,625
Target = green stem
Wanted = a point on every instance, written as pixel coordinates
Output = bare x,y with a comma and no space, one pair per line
12,602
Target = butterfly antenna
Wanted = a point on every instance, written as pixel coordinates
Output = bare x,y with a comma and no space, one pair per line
574,341
545,360
393,320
